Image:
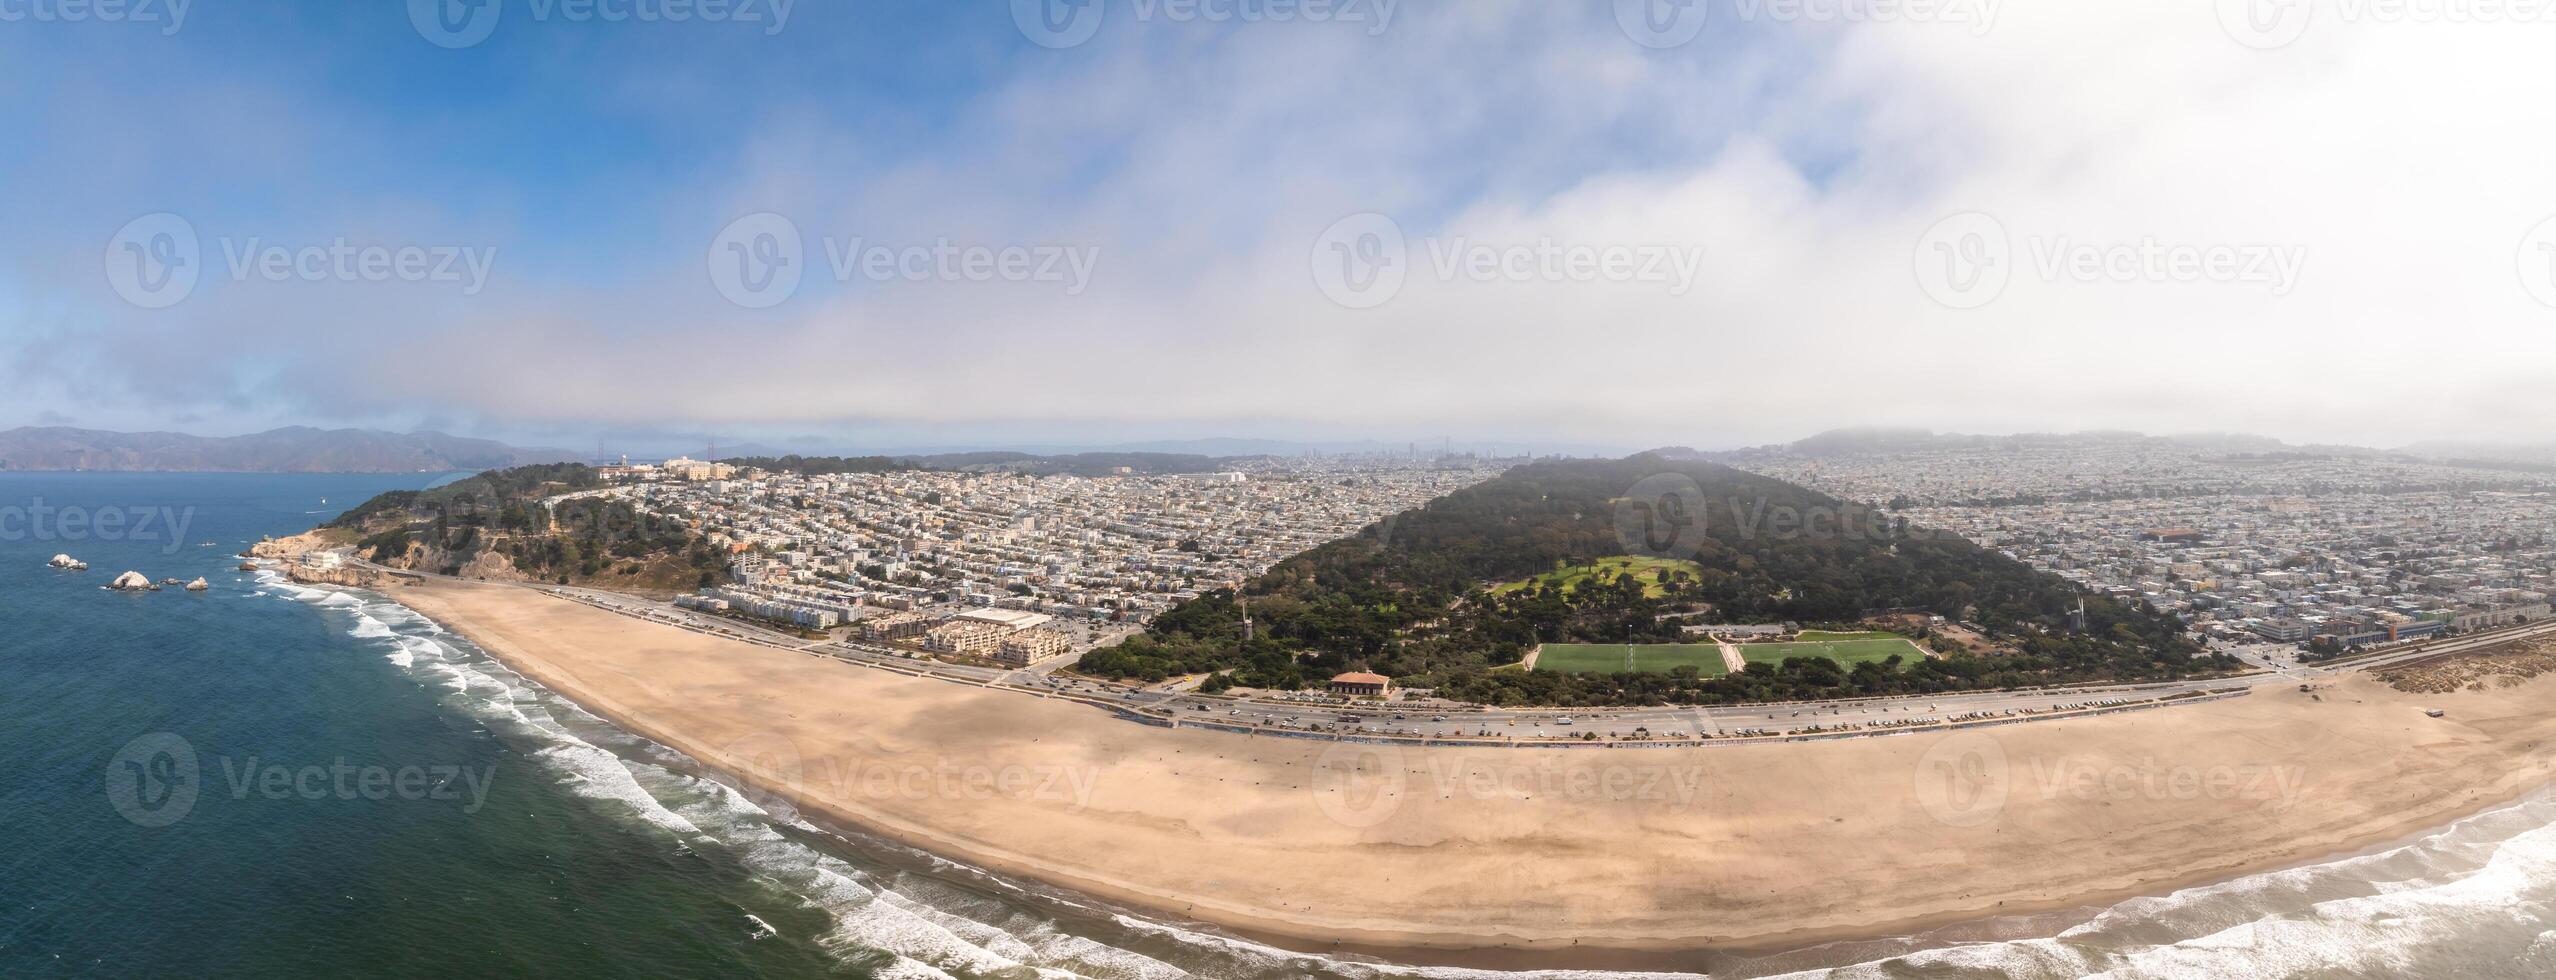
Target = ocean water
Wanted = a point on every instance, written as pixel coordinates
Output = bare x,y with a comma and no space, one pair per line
265,780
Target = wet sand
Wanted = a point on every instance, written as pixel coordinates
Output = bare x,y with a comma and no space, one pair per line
1591,857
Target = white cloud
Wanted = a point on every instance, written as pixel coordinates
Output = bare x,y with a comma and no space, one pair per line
2403,162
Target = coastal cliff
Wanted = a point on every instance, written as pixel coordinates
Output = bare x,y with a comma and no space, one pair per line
289,552
293,548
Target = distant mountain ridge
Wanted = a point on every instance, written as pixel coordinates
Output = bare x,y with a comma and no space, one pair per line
2502,453
1079,464
1214,448
1885,441
295,449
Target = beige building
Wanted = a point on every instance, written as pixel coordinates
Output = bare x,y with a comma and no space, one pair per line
1032,646
965,638
695,470
1362,684
896,626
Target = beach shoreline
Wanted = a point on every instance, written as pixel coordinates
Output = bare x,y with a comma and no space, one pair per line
1293,868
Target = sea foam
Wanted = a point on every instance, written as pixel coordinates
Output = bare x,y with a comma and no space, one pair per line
2466,899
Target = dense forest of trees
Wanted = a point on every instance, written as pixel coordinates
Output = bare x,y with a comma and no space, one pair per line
1412,598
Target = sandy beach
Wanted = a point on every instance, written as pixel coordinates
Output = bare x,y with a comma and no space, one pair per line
1576,851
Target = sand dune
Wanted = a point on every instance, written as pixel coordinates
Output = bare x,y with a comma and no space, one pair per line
1621,849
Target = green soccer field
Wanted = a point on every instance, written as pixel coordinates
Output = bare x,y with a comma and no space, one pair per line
1825,636
1619,658
1847,653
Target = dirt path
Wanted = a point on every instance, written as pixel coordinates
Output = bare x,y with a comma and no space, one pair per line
1731,655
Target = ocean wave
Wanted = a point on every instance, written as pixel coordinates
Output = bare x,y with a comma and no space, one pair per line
2467,899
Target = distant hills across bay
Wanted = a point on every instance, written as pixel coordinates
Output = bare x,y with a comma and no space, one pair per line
301,449
286,450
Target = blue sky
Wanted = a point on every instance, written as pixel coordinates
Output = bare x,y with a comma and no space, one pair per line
1182,173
